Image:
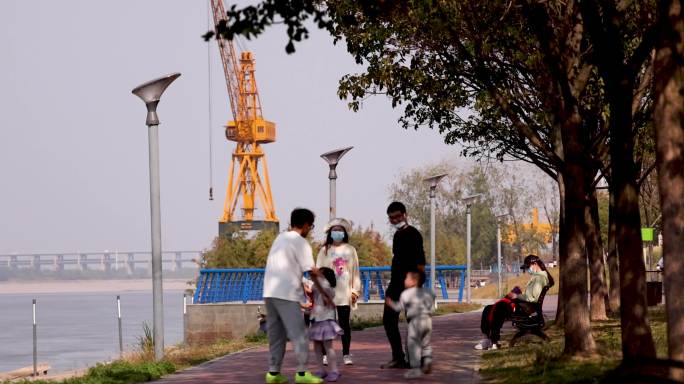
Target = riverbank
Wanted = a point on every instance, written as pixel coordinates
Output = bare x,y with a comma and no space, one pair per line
88,286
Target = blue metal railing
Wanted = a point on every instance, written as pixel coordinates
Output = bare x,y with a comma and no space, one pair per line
237,284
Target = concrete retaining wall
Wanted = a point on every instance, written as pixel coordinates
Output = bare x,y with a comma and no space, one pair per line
205,323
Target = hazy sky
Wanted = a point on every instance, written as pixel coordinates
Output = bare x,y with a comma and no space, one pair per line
73,144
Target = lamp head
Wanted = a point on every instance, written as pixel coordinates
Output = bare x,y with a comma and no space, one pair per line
150,93
334,156
501,217
434,180
471,198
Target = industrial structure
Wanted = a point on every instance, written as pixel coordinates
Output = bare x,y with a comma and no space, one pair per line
247,181
543,231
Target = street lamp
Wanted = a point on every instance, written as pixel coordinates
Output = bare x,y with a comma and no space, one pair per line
498,248
468,200
432,183
332,158
150,93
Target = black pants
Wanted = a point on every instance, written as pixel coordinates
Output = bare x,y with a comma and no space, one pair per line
343,319
390,320
493,318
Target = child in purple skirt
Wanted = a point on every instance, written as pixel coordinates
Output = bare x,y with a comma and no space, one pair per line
324,328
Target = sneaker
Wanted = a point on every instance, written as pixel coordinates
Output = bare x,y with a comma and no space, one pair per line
333,376
325,360
307,378
494,346
427,365
321,374
484,344
395,364
413,373
347,360
275,379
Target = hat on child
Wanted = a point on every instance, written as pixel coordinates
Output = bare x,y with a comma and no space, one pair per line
341,222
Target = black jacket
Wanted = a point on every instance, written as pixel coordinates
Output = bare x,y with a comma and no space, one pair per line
407,248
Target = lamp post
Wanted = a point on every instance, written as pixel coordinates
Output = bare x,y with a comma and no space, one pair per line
432,183
498,248
468,200
332,158
150,93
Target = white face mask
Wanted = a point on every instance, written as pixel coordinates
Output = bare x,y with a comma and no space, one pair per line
399,225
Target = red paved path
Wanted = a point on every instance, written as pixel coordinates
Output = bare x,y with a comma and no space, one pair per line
455,360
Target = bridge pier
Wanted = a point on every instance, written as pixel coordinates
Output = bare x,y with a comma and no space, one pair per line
35,262
106,262
82,263
12,264
177,262
59,263
130,263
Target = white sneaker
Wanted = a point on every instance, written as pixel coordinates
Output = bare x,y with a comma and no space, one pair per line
347,360
494,346
484,344
325,360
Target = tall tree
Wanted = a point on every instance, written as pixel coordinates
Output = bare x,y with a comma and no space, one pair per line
612,26
669,129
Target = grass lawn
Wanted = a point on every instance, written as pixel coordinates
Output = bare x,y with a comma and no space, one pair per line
535,362
138,367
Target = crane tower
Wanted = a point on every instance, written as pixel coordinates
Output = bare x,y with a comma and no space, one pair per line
249,130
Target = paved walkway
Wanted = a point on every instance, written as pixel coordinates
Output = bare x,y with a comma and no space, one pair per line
455,360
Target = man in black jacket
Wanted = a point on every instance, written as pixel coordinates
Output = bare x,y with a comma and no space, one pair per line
408,254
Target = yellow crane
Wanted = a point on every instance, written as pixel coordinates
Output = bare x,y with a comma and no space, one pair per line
249,130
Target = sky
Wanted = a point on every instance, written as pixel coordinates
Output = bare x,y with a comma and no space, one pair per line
73,144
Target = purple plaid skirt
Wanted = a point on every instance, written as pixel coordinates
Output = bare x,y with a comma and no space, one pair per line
325,330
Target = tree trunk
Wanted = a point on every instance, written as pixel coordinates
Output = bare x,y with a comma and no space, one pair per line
669,128
595,254
562,250
578,338
637,342
612,258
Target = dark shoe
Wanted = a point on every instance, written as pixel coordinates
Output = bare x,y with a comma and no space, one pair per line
332,376
395,364
427,365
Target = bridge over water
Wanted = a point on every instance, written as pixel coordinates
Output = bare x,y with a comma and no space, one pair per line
103,261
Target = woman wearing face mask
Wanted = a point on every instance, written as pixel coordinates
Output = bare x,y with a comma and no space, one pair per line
341,257
493,316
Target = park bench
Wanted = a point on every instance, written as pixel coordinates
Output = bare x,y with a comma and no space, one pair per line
533,323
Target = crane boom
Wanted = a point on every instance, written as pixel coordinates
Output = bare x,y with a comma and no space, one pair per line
249,130
228,57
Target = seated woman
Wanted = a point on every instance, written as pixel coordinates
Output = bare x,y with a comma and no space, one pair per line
493,316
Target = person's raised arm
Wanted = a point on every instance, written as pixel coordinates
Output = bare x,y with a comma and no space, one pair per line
533,291
320,258
395,305
327,298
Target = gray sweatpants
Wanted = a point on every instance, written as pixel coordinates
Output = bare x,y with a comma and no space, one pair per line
418,340
284,319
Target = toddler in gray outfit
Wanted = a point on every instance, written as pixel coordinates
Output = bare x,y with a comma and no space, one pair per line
419,304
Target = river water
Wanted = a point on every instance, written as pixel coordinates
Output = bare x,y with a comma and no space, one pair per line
77,330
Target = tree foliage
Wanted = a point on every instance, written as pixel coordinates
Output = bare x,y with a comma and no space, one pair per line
241,251
504,189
